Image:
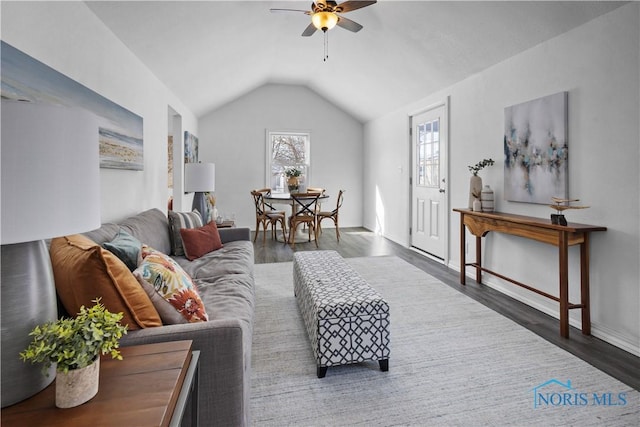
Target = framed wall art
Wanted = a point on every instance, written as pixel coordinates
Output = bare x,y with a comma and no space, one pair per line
120,132
536,150
190,148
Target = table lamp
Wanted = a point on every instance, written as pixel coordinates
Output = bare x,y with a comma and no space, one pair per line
200,178
50,181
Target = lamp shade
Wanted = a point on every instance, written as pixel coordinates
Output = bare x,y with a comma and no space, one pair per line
50,187
324,20
199,177
50,171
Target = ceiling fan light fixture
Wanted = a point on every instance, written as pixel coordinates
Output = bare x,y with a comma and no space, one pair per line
324,20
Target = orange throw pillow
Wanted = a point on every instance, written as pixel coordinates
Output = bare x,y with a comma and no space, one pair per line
199,241
84,271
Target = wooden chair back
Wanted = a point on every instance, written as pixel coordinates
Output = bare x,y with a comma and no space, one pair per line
304,204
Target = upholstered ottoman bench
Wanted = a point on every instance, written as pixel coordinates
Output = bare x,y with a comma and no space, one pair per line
346,319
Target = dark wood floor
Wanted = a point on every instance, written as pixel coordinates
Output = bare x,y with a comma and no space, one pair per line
358,242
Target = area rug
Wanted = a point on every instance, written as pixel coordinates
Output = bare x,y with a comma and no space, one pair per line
454,362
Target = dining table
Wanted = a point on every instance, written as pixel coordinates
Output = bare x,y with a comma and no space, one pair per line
302,235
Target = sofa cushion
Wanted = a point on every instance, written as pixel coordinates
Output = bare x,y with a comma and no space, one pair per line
84,271
233,258
151,227
177,221
201,240
172,283
126,248
105,233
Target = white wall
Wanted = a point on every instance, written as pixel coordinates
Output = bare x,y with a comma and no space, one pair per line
69,38
598,64
234,138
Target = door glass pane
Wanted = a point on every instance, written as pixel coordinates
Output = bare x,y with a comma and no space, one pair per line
428,154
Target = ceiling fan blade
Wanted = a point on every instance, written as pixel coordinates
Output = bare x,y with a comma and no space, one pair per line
309,30
348,24
289,10
350,5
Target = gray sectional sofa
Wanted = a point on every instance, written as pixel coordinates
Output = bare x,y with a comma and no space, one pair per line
225,282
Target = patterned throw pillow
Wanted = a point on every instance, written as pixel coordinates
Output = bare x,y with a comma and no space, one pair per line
172,283
178,220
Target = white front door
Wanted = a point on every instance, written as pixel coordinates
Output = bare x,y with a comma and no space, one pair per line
429,181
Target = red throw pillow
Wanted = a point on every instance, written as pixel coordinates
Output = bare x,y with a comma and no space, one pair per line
199,241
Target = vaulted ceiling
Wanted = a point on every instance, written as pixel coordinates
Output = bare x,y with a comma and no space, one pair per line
211,52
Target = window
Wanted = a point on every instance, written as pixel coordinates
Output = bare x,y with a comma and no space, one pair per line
287,150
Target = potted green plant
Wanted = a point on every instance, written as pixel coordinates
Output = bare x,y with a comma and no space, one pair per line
292,179
475,183
75,345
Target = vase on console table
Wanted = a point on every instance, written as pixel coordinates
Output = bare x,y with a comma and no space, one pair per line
475,189
487,199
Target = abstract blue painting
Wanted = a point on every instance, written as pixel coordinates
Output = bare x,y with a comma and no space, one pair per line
190,148
536,150
120,131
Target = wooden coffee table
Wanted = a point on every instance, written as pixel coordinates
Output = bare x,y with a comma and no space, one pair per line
149,387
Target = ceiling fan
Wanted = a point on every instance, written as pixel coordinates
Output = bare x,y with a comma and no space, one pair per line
325,15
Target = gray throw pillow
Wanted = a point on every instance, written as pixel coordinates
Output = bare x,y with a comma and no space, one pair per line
178,220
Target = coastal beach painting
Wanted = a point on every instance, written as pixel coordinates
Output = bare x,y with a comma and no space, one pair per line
536,150
120,131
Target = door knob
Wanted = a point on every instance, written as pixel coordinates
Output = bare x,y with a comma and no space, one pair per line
442,190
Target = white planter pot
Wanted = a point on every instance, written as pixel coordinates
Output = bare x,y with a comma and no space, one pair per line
77,386
487,199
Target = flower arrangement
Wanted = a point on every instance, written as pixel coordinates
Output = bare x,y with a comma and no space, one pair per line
75,343
292,172
211,199
480,165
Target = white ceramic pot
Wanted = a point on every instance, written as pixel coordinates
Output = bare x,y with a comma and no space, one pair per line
487,199
77,386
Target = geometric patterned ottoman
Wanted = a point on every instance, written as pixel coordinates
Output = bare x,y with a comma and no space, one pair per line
346,319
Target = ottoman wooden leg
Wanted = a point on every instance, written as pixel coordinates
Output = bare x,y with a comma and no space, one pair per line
322,371
384,365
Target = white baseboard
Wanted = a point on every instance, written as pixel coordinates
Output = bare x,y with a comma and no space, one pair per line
599,331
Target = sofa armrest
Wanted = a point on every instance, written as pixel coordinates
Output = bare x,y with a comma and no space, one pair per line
224,381
233,234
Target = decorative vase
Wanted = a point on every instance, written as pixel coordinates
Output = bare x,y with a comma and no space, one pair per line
477,205
77,386
475,188
487,199
292,184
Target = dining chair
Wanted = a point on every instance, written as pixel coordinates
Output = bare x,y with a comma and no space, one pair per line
317,190
331,215
266,215
304,212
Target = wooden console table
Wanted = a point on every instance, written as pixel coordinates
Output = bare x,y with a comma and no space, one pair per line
540,229
149,387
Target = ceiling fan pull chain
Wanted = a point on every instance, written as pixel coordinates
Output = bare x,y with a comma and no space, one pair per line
326,46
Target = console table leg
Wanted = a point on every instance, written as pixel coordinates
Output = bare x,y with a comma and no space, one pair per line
478,259
463,258
584,286
563,257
